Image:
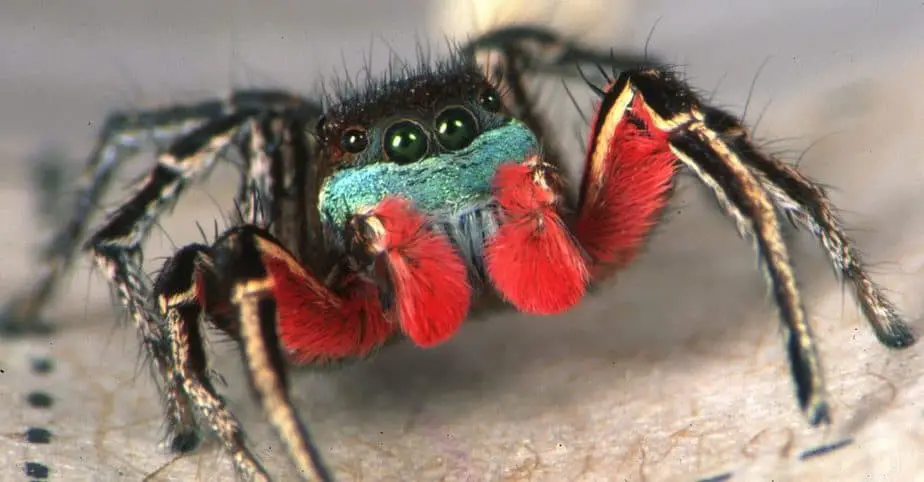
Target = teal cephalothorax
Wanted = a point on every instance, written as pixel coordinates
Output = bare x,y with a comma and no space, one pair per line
445,182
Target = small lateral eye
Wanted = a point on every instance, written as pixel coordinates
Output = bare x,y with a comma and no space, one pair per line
489,99
321,125
354,140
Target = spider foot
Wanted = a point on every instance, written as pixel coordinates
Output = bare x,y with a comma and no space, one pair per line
818,412
895,333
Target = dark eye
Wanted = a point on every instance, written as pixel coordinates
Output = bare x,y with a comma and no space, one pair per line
322,123
354,141
405,142
456,128
490,100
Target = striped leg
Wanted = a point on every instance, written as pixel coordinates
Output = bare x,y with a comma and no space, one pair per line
648,118
117,252
122,135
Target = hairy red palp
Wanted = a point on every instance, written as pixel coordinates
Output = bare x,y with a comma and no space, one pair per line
532,260
430,280
315,324
623,197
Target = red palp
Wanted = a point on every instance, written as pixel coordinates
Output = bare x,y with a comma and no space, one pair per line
430,281
532,259
430,284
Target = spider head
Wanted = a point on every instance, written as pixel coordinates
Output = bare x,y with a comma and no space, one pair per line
434,137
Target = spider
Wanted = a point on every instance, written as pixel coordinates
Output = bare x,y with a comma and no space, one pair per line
402,205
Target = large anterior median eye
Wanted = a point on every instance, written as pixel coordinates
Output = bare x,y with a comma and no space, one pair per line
456,128
406,142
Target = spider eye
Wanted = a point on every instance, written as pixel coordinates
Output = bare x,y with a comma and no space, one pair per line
456,128
354,141
405,142
490,100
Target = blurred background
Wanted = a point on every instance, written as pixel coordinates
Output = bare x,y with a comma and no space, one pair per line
673,372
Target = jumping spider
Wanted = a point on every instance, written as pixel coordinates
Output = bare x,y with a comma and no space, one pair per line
393,211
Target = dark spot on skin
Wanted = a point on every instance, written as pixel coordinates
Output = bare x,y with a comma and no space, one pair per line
37,470
40,399
36,435
43,365
718,478
824,449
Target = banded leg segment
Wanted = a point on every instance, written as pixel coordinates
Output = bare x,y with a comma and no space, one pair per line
808,205
278,309
238,262
117,252
181,295
667,110
741,196
196,136
123,135
117,247
229,284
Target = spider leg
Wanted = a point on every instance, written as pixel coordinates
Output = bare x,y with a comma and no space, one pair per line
281,182
116,249
544,50
279,309
181,293
252,290
230,282
807,204
659,110
123,135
